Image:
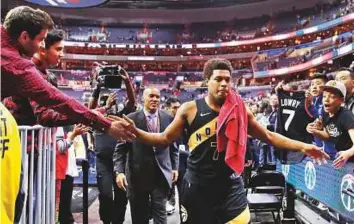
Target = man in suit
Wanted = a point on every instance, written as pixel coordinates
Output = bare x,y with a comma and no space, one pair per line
144,171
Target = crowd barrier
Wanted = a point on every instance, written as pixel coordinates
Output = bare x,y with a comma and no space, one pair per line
334,188
38,174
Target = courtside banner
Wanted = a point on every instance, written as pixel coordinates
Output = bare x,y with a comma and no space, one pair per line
335,188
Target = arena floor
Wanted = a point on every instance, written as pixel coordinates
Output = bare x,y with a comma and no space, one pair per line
95,219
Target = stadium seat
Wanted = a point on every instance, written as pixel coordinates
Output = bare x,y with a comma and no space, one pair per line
267,191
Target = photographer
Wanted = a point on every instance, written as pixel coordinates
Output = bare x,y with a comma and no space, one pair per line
112,206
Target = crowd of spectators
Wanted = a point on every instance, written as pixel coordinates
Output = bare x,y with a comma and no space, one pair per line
176,50
237,29
153,66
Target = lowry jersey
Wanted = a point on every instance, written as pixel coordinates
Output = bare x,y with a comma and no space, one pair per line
205,162
292,119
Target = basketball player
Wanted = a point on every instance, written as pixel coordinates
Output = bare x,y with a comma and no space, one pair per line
212,193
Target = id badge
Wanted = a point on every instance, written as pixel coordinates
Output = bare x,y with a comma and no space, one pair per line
182,147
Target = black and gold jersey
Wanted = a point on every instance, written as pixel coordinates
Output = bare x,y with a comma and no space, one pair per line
204,161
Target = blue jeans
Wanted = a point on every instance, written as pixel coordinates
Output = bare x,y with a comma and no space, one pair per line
255,154
266,155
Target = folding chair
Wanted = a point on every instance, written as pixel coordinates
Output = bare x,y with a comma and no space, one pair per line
267,192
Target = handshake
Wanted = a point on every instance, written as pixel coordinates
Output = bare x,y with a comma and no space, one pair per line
123,129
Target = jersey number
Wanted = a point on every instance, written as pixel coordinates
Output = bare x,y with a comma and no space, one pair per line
291,114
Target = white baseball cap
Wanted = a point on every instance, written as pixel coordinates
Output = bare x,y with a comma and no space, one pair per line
337,87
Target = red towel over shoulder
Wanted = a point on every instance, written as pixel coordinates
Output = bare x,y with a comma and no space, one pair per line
232,131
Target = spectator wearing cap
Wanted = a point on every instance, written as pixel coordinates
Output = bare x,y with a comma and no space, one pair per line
346,76
338,123
315,100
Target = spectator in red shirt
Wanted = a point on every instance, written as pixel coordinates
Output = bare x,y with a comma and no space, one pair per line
22,34
28,112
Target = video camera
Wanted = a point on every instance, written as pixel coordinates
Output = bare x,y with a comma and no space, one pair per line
109,76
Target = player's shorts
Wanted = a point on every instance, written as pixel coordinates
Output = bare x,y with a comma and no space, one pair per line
216,202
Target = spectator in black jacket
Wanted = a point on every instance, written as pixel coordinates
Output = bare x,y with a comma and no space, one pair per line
112,206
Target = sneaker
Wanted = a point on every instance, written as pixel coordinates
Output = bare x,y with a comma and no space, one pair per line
170,209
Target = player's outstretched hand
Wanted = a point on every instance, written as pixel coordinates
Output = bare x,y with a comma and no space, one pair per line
121,130
130,122
316,153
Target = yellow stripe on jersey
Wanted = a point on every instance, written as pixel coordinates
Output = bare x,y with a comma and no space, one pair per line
10,165
243,218
202,134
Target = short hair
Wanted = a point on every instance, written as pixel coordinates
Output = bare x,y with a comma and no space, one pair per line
170,101
216,64
322,76
24,18
351,73
53,37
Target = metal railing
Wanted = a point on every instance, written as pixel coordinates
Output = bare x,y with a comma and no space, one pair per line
38,174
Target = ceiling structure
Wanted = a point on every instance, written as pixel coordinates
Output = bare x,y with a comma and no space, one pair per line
176,4
167,11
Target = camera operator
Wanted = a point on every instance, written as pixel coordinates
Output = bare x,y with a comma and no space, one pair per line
112,205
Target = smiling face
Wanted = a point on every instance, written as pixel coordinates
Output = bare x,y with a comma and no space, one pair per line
274,101
151,99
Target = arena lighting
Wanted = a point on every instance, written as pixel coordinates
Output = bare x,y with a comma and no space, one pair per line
345,49
310,30
180,78
137,58
74,44
68,3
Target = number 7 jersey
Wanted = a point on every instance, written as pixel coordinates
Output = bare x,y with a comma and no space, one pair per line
292,119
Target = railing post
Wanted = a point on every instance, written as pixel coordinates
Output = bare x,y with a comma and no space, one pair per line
38,165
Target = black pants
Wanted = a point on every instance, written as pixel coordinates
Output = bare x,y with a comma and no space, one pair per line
246,175
66,192
142,201
172,195
212,202
113,200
